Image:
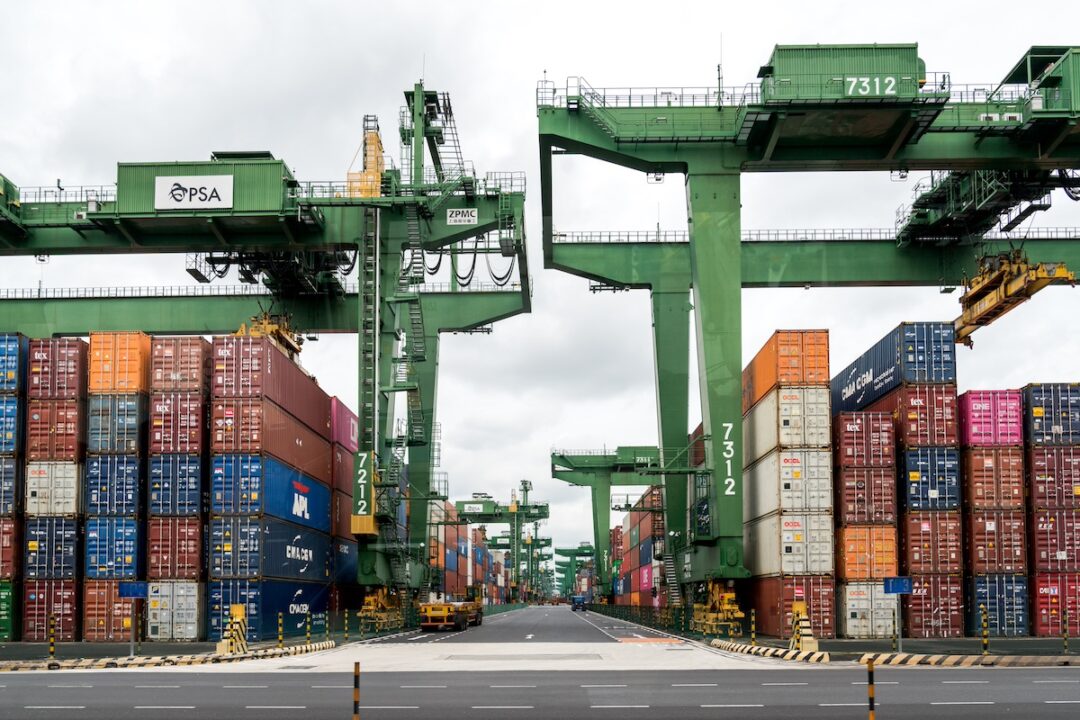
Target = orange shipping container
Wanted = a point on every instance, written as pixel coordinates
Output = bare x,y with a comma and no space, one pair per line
789,357
866,552
119,362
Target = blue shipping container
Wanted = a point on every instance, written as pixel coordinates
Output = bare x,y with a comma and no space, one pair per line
116,424
346,557
14,353
254,547
645,551
931,479
1052,414
51,546
1006,601
112,485
257,484
451,562
264,599
11,424
923,352
115,548
176,486
10,485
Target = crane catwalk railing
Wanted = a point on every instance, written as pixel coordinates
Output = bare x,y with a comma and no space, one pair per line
795,235
166,291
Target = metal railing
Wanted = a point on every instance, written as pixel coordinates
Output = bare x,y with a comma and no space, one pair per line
445,287
76,194
134,291
577,88
622,236
682,236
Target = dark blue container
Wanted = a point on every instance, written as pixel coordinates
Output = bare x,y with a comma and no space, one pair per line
12,418
115,548
10,486
116,424
1006,601
176,485
923,352
451,562
645,551
930,479
112,485
51,548
346,557
1052,414
14,354
259,484
254,547
264,599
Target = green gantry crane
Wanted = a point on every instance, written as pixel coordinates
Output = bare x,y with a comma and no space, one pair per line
533,547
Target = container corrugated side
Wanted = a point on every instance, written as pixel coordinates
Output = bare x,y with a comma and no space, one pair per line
789,357
14,352
935,607
176,485
797,481
1055,540
10,548
115,548
344,464
45,599
11,486
113,485
933,542
51,547
772,598
116,424
58,369
790,544
925,415
12,423
180,365
106,616
1054,477
8,612
344,425
55,430
1052,414
788,417
866,552
1055,604
174,610
864,610
256,484
990,418
178,423
346,558
53,489
263,600
250,426
174,548
251,547
992,478
865,495
996,542
119,362
1005,598
930,479
864,439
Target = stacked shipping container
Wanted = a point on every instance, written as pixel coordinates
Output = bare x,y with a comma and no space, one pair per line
345,437
13,360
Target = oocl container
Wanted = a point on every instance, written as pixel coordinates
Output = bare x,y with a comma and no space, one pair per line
116,424
771,599
993,478
865,495
51,548
263,600
789,544
1055,599
991,418
1055,540
932,542
797,481
8,631
11,490
115,548
176,485
250,548
50,599
996,542
58,369
925,415
864,439
106,616
789,357
257,426
53,488
343,468
930,479
788,417
180,364
1052,414
174,548
178,423
174,610
113,485
864,610
256,484
935,608
344,425
55,430
1005,598
11,424
866,552
1054,474
119,362
10,548
14,350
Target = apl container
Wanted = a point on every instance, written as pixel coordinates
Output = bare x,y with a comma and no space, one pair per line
864,439
1052,414
51,549
55,430
174,611
259,426
865,495
115,548
788,417
346,557
866,552
176,485
113,485
50,599
913,353
1005,598
771,599
11,486
53,488
257,484
180,365
8,630
14,350
789,357
996,542
10,548
789,544
1055,540
106,616
925,415
796,481
1054,475
930,479
1055,601
991,418
174,548
343,468
251,547
119,362
116,424
992,478
11,422
178,423
933,542
58,369
246,367
263,600
344,425
864,611
935,608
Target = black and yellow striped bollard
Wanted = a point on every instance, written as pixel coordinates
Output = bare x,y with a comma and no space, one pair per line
753,628
280,630
356,691
307,628
1065,630
894,628
870,685
346,626
985,629
52,637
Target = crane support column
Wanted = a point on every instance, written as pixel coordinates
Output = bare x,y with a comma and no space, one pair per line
671,349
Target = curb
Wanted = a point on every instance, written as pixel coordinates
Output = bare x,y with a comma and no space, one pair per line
772,652
163,660
894,659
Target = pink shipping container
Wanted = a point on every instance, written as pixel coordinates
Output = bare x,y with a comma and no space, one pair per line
177,423
1055,596
246,367
57,369
179,364
925,414
10,549
992,478
996,542
991,418
646,579
864,439
935,608
344,425
342,471
771,599
252,425
1055,541
865,495
174,548
55,430
932,542
43,599
1054,476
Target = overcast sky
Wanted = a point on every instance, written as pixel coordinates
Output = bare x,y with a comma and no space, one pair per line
87,85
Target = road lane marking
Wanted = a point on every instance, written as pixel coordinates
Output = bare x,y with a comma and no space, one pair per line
275,707
418,637
1056,681
502,707
693,685
244,687
1061,702
731,706
862,704
71,686
616,707
508,686
164,707
331,687
160,687
964,682
602,686
964,702
389,707
782,684
54,707
879,682
422,687
589,622
528,637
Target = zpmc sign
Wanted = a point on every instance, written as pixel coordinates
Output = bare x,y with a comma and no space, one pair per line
363,510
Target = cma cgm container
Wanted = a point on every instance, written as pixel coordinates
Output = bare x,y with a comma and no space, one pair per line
344,463
866,552
925,415
263,600
119,362
53,488
1054,477
344,425
176,485
935,608
246,367
257,484
771,599
115,548
864,439
865,610
11,489
113,485
178,423
790,544
47,599
932,543
789,357
8,630
798,481
1052,414
1055,602
865,495
58,369
1005,598
993,478
179,364
1055,540
996,542
787,417
11,424
55,430
10,548
51,545
116,424
913,353
251,547
991,418
174,548
260,426
174,610
106,616
931,479
346,558
14,351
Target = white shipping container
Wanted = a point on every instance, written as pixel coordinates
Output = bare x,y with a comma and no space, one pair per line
798,481
174,610
789,544
53,488
864,610
788,417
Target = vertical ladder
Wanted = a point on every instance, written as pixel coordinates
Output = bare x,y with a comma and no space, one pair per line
369,328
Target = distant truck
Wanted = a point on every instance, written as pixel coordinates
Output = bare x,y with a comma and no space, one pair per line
577,603
450,614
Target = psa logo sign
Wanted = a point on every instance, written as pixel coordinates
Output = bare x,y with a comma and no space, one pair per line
193,192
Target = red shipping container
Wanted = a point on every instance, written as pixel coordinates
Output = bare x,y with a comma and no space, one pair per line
935,608
177,423
56,430
1055,596
344,425
343,468
246,367
991,417
180,364
1055,541
992,478
925,414
996,542
864,439
771,599
341,515
106,617
10,549
44,599
1054,474
866,495
174,548
257,425
57,369
932,542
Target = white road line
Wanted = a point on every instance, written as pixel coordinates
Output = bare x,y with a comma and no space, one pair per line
71,686
422,687
159,687
164,707
54,707
1061,702
502,707
588,622
964,702
693,685
879,682
862,704
965,682
275,707
616,707
1056,681
389,707
782,684
331,687
244,687
528,637
731,706
511,686
418,637
602,686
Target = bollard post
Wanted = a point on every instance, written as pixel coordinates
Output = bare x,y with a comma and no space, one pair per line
307,628
1065,629
346,626
356,691
985,629
894,630
870,685
360,623
138,635
280,630
326,623
52,637
798,635
753,628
